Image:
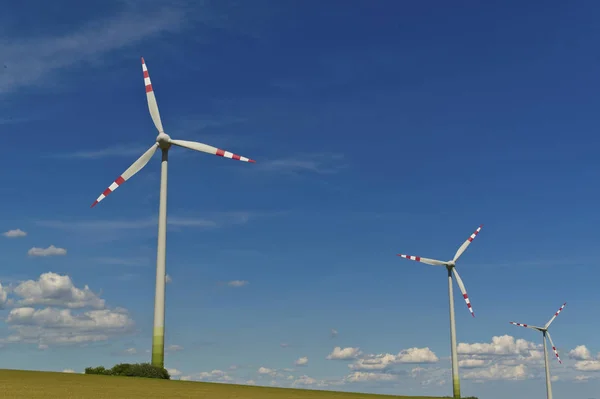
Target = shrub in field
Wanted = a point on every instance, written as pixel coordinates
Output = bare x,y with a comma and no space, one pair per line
145,370
97,370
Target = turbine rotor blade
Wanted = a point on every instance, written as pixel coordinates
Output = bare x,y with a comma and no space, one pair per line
152,104
466,244
523,325
555,314
432,262
192,145
553,347
461,286
132,170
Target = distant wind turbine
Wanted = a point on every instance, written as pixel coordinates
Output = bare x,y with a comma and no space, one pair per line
450,266
546,333
164,142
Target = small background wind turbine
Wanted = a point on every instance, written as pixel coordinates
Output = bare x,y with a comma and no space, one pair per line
546,333
451,267
164,142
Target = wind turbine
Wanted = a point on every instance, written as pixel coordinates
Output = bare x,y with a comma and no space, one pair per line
451,267
546,333
164,142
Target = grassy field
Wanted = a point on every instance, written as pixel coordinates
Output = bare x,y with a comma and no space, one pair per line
36,384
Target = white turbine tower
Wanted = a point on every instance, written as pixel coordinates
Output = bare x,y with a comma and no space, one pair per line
451,267
164,142
546,333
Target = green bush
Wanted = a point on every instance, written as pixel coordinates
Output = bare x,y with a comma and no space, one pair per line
145,370
97,370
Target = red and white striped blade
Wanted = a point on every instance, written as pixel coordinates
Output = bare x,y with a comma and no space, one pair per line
152,105
192,145
522,325
132,170
461,286
553,347
466,244
555,314
432,262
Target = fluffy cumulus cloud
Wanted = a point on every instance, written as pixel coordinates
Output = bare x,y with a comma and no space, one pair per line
384,361
580,352
14,233
303,361
50,251
584,360
55,289
44,313
344,354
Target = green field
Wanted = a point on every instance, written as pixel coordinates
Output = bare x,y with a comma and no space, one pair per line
36,384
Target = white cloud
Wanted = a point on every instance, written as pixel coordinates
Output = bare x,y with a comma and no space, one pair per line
95,227
237,283
334,333
581,352
14,233
588,365
374,362
384,361
305,380
174,372
130,351
250,382
471,363
42,347
50,251
69,371
168,279
303,361
500,345
213,376
344,354
266,371
54,289
31,59
61,326
174,348
3,296
499,372
417,355
360,376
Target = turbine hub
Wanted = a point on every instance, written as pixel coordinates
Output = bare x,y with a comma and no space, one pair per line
163,140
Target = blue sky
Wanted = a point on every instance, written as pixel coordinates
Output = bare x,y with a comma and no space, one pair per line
377,127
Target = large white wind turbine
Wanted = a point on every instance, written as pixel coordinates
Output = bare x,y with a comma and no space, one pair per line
164,142
546,333
451,267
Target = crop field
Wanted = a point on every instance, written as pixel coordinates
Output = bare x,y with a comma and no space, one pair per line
36,384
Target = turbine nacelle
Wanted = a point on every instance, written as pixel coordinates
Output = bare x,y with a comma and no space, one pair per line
164,141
